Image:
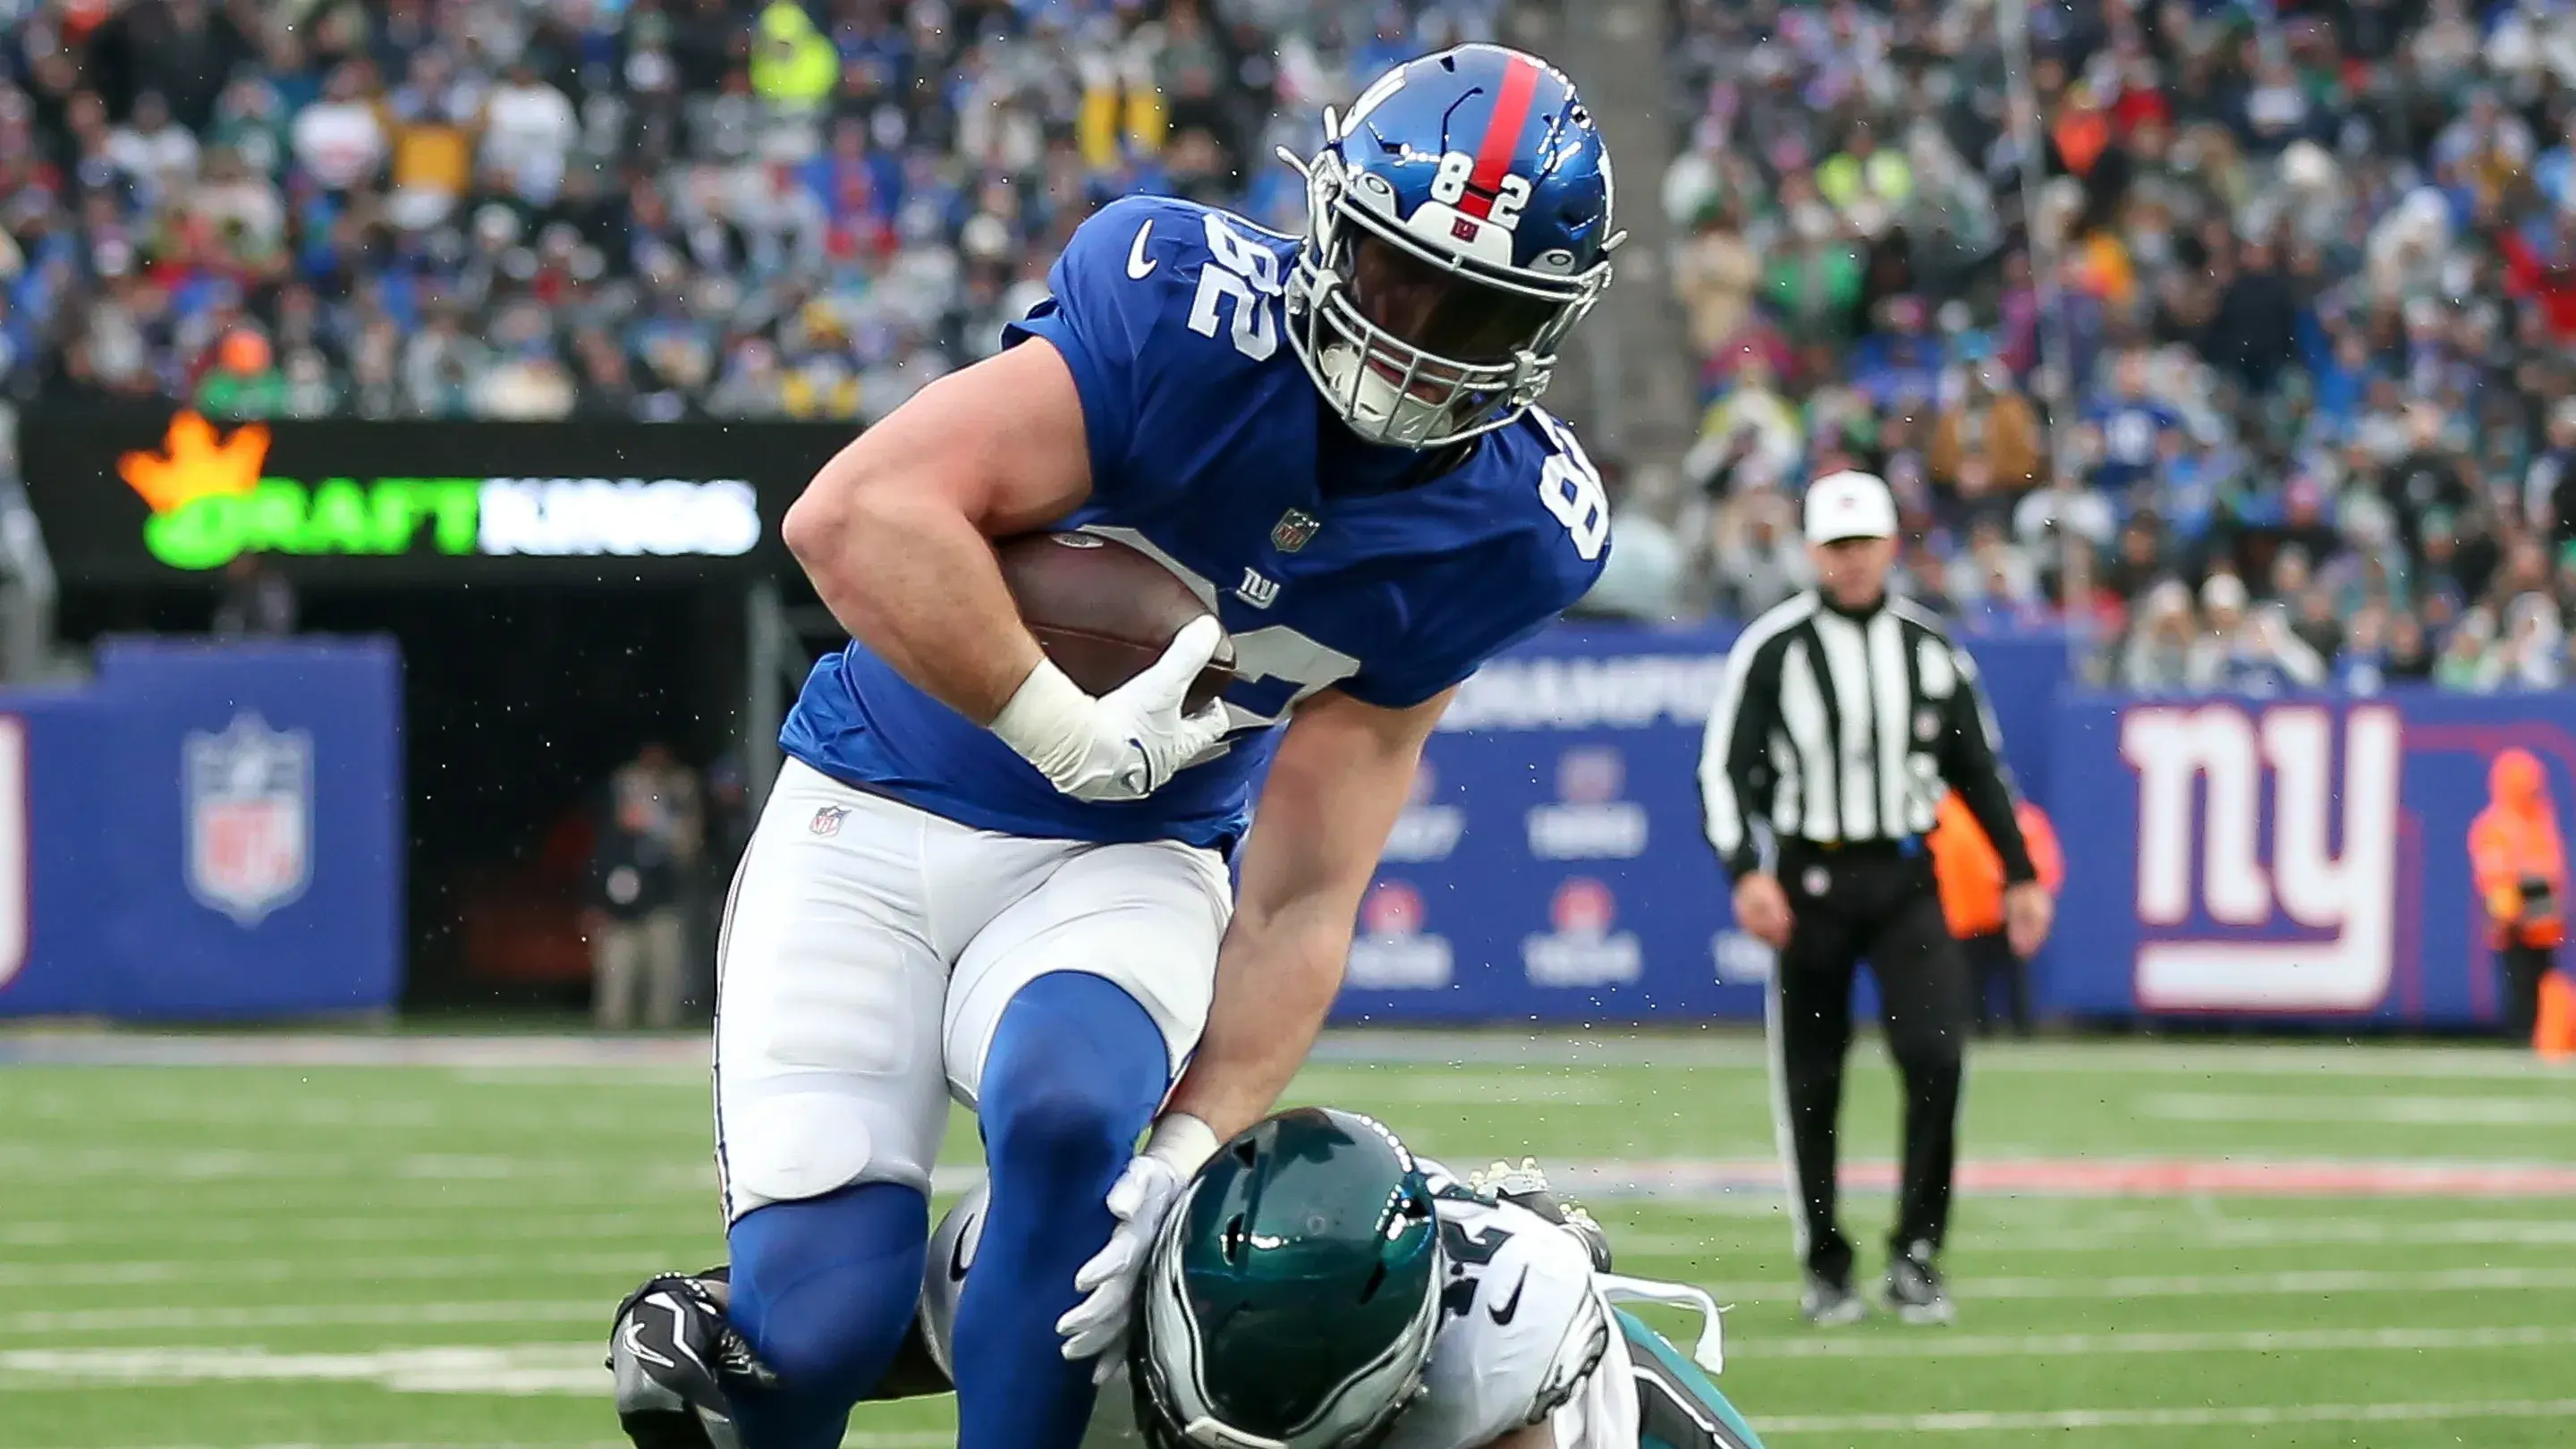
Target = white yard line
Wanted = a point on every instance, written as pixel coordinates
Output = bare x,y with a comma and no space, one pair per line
303,1315
2068,1345
2216,1285
2181,1237
1414,1087
574,1368
1977,1421
862,1439
402,1445
551,1368
394,1227
45,1164
282,1270
1741,1046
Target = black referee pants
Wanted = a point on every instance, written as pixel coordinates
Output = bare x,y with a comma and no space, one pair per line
1873,902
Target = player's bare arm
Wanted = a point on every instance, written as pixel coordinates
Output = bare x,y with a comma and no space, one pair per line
1335,788
1533,1436
893,531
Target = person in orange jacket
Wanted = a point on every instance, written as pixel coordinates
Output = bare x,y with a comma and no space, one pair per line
1971,879
2521,872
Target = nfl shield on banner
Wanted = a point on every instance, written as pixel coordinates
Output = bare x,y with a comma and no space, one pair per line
249,796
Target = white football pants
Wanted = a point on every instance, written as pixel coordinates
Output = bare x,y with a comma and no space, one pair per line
869,949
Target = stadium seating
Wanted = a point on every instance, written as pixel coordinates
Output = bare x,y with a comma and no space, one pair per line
2308,323
622,208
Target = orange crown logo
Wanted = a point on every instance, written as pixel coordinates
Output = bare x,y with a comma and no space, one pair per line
196,462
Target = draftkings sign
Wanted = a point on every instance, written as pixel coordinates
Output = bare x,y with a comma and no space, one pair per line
131,496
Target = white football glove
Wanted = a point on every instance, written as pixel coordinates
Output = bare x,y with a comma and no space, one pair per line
1143,1196
1123,745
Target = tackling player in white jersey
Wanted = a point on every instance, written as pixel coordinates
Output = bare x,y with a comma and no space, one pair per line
1318,1288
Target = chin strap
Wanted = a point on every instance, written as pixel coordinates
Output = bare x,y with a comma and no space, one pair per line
1710,1352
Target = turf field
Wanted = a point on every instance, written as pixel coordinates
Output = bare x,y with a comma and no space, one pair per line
402,1241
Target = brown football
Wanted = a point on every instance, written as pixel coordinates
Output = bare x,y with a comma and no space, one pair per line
1103,611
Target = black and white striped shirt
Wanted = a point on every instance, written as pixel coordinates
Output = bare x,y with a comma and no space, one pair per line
1834,727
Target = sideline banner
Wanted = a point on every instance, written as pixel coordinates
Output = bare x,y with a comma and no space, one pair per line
128,495
1551,865
2303,858
204,831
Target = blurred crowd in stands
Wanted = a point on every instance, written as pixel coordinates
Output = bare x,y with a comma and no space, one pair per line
2307,342
622,208
2290,399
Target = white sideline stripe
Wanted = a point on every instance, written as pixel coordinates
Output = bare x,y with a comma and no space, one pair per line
2398,1111
514,1060
1975,1421
2066,1345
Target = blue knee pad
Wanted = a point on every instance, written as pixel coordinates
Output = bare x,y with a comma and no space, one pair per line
824,1288
1075,1072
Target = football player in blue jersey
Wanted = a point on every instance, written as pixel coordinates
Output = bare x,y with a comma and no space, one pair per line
976,880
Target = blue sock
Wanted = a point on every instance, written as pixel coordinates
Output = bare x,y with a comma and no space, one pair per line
824,1289
1076,1070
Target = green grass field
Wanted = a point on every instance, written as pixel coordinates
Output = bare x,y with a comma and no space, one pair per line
425,1253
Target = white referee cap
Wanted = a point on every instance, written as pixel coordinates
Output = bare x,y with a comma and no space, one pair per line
1849,505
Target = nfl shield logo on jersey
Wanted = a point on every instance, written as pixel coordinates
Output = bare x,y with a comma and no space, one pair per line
1296,528
250,817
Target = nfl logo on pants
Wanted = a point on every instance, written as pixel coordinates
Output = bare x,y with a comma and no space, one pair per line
249,803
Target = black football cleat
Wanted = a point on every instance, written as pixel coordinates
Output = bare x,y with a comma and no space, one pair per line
674,1354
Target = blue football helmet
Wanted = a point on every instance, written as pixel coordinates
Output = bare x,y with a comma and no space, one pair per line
1457,227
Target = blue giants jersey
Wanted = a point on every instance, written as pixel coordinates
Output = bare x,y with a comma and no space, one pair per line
1212,451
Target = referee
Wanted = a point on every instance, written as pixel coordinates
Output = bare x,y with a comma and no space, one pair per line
1843,714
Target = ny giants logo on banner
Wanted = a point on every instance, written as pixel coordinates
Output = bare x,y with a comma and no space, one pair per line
249,798
2236,918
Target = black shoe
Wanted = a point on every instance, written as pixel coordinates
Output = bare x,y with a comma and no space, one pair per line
1915,1291
1831,1304
673,1353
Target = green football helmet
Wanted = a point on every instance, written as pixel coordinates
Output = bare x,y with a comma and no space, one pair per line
1291,1299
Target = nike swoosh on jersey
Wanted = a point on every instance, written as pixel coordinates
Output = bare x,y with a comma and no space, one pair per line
1505,1311
957,1263
1138,264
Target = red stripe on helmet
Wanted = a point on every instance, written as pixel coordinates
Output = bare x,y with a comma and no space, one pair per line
1502,135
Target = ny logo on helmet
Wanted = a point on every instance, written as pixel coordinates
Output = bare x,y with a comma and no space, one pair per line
2312,930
